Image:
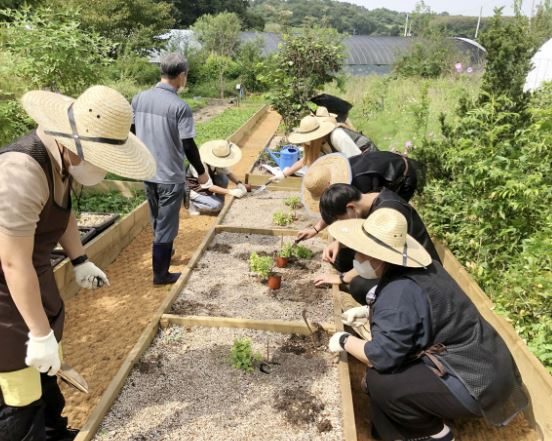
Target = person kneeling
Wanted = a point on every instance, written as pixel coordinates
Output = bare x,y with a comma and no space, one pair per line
432,355
208,198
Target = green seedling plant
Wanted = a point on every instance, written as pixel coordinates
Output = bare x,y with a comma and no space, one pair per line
293,202
262,265
242,355
286,251
302,252
282,219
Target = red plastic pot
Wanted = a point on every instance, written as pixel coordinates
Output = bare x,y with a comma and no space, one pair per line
282,262
274,281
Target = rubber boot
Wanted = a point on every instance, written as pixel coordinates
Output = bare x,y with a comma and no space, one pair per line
161,261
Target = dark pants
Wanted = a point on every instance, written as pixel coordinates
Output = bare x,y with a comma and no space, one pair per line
164,201
38,421
359,286
411,403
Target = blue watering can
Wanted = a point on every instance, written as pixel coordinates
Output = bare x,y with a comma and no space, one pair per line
286,157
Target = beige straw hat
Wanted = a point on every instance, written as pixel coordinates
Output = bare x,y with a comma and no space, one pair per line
382,236
309,129
325,171
322,112
94,126
220,153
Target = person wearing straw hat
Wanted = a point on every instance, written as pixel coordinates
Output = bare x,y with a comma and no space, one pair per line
432,356
218,156
313,133
76,140
164,122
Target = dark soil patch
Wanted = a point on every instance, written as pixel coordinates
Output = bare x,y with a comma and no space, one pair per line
305,344
324,426
303,291
223,248
245,256
298,405
190,307
309,265
150,365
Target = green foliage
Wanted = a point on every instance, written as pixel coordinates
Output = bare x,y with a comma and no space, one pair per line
109,202
541,23
252,66
131,24
14,122
302,252
131,67
293,202
262,265
307,60
282,219
242,355
188,11
287,250
51,49
509,47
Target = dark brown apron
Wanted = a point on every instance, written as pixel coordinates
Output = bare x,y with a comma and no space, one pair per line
50,227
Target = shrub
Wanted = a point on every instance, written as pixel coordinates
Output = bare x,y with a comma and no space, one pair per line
242,355
14,122
262,265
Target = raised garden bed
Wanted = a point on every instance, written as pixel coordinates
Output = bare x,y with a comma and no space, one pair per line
98,221
184,387
222,283
258,211
56,257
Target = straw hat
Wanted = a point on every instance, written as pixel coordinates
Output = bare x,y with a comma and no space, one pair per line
382,236
325,171
220,153
99,131
309,129
322,112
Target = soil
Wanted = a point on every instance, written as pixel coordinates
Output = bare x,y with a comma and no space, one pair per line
214,108
256,211
101,327
185,388
240,293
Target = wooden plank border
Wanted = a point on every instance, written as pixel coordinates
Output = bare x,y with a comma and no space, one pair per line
535,376
105,248
282,326
245,130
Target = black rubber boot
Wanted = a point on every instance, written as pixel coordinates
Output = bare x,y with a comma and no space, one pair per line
161,261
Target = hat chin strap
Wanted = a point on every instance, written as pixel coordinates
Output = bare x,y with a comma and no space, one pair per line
404,254
77,138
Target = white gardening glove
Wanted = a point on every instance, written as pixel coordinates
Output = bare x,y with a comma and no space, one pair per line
43,353
207,185
237,193
352,315
242,187
277,177
334,345
89,276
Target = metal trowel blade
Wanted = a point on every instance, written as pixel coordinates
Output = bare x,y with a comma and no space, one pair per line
72,377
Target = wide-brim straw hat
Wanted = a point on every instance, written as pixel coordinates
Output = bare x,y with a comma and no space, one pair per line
325,171
220,153
383,236
322,112
99,132
309,129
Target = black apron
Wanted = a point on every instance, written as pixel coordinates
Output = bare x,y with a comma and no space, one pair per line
50,227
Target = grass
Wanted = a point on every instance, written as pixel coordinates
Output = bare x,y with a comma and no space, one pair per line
389,111
108,202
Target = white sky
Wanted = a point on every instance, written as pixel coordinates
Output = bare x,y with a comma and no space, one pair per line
454,7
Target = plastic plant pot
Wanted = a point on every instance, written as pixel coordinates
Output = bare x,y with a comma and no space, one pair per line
87,234
56,257
274,281
282,262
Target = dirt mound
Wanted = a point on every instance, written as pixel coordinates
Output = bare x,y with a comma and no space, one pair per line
298,405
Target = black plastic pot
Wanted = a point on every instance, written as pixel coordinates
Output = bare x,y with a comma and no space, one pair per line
56,257
87,234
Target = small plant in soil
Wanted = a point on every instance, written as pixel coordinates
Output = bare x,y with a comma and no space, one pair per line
286,251
242,355
262,265
293,202
282,219
302,252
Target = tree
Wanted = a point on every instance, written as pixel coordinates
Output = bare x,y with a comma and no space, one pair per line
219,36
130,23
541,23
188,11
307,60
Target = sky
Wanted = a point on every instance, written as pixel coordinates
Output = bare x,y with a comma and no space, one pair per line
454,7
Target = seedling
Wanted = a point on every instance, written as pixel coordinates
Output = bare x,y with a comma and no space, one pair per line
286,251
293,202
242,355
282,219
302,252
262,265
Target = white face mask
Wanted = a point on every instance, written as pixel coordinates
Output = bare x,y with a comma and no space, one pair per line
86,173
365,269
